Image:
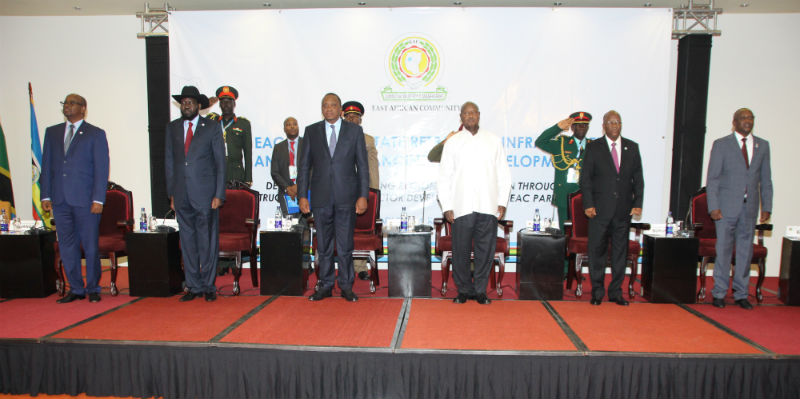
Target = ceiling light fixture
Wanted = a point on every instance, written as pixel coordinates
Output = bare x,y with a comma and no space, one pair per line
744,5
362,3
557,3
648,4
267,4
456,3
76,8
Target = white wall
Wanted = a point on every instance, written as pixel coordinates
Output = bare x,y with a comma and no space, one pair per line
755,64
97,57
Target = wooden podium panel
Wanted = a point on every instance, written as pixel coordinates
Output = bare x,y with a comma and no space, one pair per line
669,269
154,263
282,261
409,264
27,265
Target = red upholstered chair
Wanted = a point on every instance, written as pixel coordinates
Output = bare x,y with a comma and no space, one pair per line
367,238
706,232
444,249
115,222
238,227
578,245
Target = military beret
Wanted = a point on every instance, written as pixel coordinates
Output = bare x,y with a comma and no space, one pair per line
227,91
353,106
581,117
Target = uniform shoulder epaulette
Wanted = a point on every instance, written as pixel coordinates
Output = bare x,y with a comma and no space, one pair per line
241,118
213,116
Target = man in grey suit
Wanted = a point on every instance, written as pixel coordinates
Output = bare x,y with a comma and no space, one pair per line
195,167
739,179
333,165
285,158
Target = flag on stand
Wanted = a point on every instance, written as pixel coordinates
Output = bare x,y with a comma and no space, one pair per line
36,164
6,191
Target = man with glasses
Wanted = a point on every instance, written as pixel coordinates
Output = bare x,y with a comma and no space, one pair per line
612,184
73,185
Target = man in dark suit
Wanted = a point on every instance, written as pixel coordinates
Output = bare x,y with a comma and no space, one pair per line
333,165
612,185
739,180
73,185
195,168
285,158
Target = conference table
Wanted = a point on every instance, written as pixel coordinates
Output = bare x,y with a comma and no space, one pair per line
409,263
669,268
540,265
154,263
27,264
285,260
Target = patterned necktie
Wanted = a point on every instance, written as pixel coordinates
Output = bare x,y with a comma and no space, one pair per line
614,156
744,153
188,141
291,153
332,143
69,138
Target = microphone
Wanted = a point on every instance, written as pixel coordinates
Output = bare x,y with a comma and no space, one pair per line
423,227
163,228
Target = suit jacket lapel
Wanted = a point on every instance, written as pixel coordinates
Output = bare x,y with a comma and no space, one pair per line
76,138
607,155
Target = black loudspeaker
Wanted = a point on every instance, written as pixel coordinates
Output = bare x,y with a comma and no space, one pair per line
158,106
691,104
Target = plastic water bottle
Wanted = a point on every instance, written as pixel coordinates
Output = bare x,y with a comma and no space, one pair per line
143,221
669,231
537,220
3,221
278,219
403,220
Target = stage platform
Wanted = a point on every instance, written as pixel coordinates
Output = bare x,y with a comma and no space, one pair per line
380,347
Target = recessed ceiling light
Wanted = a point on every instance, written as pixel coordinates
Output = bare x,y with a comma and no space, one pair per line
362,3
76,8
648,4
744,5
267,4
557,3
456,3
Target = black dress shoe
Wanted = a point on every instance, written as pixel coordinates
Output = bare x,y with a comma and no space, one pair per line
744,304
188,296
482,299
461,298
320,295
620,301
596,302
349,296
70,297
363,276
719,303
211,296
94,297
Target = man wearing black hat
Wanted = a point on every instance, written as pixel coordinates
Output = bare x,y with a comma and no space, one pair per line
334,149
566,153
353,112
237,135
195,170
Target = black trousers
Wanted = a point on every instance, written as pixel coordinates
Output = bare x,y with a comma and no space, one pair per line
473,233
335,226
600,231
199,232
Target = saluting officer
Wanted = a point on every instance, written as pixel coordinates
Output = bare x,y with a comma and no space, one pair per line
237,135
566,153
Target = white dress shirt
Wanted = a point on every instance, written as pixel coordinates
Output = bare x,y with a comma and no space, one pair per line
473,174
194,126
77,125
328,130
616,149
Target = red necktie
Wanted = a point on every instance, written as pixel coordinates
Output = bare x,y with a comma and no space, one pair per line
291,153
188,139
744,153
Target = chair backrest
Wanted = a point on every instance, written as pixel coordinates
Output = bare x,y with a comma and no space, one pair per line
240,205
117,208
699,214
365,223
580,224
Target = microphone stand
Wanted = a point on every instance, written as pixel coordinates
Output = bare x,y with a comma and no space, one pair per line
423,227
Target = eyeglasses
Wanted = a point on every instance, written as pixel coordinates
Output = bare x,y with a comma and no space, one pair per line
72,103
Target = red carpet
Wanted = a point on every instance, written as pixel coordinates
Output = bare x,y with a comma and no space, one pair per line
646,327
370,322
166,319
502,325
37,317
773,327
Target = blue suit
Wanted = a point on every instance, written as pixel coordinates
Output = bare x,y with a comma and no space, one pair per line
72,182
336,182
193,180
728,180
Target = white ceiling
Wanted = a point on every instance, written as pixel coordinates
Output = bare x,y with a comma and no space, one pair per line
130,7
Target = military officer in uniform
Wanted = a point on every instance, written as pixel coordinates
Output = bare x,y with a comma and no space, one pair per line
566,152
238,137
352,112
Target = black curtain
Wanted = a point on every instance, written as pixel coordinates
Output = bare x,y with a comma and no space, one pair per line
158,103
